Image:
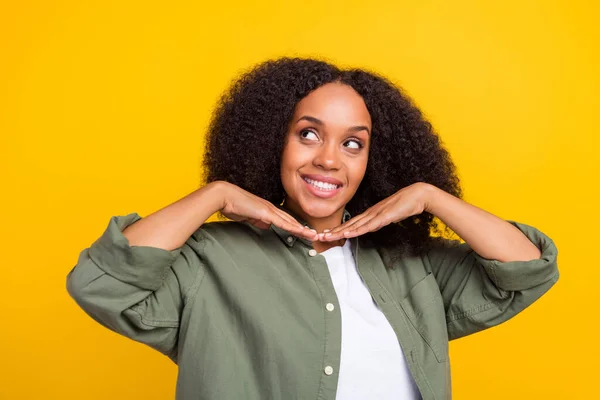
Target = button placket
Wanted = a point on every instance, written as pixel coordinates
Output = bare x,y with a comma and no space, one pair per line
332,321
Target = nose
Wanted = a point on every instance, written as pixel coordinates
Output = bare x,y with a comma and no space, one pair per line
328,157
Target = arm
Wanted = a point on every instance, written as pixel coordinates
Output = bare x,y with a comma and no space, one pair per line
489,236
136,278
170,227
501,269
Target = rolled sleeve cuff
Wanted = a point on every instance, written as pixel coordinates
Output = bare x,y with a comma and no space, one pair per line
141,266
523,275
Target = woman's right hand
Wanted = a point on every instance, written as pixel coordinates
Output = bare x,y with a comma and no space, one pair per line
241,205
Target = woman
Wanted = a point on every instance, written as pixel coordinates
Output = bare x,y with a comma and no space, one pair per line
328,283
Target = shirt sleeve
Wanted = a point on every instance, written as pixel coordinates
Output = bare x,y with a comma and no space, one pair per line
136,291
479,293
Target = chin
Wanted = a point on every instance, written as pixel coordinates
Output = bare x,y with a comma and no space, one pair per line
319,210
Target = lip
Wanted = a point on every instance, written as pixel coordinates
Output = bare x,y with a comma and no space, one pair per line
323,194
325,179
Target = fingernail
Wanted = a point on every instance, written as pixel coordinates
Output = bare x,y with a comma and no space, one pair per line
326,230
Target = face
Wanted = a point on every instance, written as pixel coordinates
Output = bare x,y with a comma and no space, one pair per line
326,151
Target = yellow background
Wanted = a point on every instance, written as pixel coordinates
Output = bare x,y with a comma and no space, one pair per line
103,109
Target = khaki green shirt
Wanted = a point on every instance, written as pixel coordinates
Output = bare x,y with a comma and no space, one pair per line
242,310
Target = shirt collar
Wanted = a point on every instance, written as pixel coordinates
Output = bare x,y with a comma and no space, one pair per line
289,238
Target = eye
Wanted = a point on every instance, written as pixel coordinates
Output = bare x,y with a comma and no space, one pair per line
308,134
353,144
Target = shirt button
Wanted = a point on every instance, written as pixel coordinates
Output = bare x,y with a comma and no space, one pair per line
330,307
290,239
312,252
328,370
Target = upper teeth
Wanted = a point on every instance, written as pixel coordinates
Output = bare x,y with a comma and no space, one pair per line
321,185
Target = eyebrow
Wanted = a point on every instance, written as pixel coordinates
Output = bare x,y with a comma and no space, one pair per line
321,123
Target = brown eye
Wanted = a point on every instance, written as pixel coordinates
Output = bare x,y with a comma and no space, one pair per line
308,134
353,144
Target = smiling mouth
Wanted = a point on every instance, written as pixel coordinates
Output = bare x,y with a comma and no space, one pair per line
323,186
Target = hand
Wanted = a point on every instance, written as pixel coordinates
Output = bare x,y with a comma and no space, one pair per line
241,205
405,203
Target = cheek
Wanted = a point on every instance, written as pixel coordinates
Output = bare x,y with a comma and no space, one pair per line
287,158
290,163
295,156
358,170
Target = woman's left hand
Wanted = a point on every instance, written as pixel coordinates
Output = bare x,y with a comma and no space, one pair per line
409,201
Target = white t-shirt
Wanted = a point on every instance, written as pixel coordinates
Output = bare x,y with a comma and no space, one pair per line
372,364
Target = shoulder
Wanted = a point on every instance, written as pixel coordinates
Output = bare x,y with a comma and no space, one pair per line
230,231
223,243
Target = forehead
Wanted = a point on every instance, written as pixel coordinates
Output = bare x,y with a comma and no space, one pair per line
335,103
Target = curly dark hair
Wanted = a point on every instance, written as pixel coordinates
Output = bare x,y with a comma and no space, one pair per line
249,126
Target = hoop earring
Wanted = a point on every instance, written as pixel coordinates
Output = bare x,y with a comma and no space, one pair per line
282,201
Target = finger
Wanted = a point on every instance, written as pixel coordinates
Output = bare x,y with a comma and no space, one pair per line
337,232
350,222
295,221
361,223
328,237
282,214
372,226
271,209
346,224
304,231
293,228
287,217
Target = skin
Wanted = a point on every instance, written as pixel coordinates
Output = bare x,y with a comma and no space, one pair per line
328,138
329,151
336,146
